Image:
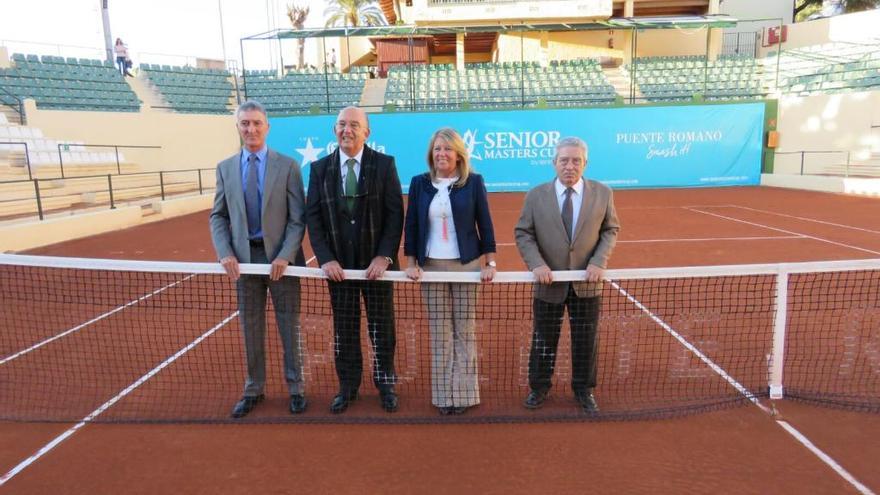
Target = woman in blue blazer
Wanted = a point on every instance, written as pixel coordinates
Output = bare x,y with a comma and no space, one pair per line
448,228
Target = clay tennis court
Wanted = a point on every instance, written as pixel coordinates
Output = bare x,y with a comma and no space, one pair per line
742,449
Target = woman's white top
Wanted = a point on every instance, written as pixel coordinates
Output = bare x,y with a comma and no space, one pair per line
442,242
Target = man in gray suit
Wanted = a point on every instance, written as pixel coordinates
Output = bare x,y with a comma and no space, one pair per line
566,224
259,215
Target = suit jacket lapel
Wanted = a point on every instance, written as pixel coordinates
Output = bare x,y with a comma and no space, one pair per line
331,176
553,212
585,208
235,189
366,171
273,169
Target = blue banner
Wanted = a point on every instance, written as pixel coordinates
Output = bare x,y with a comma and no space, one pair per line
629,147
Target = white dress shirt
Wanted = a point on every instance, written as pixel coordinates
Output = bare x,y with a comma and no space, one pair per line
577,198
357,166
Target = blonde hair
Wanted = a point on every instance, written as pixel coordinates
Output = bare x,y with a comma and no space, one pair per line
462,163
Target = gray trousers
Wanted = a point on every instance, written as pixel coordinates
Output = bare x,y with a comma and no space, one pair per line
251,291
452,310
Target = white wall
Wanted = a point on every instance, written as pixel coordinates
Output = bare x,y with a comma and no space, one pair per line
759,9
841,122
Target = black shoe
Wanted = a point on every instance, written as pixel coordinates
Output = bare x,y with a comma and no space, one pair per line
298,403
459,409
389,401
587,402
341,401
446,410
246,405
535,399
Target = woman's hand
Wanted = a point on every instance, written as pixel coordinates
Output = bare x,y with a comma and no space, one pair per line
487,273
414,272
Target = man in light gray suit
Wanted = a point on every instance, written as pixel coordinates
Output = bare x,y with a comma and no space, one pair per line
259,215
566,224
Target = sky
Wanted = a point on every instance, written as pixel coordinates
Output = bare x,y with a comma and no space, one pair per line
171,32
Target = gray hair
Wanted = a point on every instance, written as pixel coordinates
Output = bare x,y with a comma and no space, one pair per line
249,105
571,142
355,107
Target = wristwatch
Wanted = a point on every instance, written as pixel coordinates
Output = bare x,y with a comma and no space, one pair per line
389,260
492,264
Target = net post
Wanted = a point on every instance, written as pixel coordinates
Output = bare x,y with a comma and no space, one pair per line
777,356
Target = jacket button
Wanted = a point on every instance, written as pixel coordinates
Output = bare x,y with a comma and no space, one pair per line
352,222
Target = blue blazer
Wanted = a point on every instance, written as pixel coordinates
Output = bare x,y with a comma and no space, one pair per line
470,215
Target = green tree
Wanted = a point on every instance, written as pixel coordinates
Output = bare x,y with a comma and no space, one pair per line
805,8
353,13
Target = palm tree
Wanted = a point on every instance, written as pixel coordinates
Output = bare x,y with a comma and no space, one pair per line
297,17
353,13
804,8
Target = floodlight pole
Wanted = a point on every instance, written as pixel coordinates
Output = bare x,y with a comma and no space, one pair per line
706,66
243,70
412,83
326,77
222,32
632,75
105,19
522,73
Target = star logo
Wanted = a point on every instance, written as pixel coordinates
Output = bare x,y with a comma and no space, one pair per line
309,153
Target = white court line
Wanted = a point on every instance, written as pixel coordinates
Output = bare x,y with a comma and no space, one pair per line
806,219
670,207
695,239
711,364
820,239
107,405
825,457
310,260
747,394
712,239
93,320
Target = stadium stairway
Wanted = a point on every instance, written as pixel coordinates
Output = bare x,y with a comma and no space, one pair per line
150,96
620,80
9,115
373,96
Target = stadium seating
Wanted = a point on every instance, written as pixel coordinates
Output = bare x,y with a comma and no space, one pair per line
575,82
305,91
829,68
68,84
191,90
679,78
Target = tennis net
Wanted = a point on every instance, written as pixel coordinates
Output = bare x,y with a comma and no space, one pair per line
132,341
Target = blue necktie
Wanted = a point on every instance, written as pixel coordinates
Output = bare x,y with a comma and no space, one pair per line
252,197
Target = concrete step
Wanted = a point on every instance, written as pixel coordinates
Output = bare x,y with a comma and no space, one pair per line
373,96
853,170
11,116
64,200
72,170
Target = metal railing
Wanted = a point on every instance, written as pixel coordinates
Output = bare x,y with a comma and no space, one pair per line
113,189
27,156
40,48
20,107
66,147
803,155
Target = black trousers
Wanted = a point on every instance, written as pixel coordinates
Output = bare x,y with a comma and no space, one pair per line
345,298
583,317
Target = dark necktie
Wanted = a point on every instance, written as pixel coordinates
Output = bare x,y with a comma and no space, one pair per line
252,196
351,184
568,212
